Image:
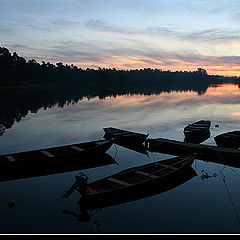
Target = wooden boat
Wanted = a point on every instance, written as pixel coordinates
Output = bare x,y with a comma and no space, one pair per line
156,188
197,130
130,181
228,139
124,135
54,155
221,155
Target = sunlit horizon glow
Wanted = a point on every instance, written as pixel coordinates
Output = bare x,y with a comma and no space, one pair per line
175,35
221,93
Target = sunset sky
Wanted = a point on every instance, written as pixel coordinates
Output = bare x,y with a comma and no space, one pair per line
126,34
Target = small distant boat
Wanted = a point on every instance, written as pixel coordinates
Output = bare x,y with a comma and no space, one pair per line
54,155
198,131
124,135
228,139
132,181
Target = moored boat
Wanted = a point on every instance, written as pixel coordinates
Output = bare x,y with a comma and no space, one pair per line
124,135
198,130
84,215
54,155
228,139
130,181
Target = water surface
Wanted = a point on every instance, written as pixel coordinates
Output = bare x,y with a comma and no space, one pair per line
197,206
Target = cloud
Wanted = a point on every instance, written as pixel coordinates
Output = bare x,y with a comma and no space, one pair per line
66,24
207,35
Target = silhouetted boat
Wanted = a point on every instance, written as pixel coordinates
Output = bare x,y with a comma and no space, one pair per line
228,139
197,130
124,135
131,181
177,179
209,153
54,156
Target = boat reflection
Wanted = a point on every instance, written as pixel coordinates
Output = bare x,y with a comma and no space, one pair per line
71,164
130,140
145,191
140,148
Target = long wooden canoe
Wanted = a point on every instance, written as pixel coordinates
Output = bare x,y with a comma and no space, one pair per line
155,189
132,181
222,155
54,155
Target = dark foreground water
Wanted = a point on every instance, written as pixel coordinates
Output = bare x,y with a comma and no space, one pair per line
197,206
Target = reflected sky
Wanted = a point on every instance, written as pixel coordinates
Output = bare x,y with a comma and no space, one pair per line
163,115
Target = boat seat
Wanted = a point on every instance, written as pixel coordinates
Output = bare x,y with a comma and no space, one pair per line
119,182
77,148
147,174
164,165
48,154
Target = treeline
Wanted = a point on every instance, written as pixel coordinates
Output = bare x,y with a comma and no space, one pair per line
16,70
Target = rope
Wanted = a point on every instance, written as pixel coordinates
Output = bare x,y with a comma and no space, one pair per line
227,165
116,150
224,181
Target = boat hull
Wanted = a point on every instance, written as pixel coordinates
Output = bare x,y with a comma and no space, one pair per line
229,139
25,161
197,131
135,191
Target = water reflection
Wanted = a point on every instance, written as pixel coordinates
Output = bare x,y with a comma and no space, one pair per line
15,106
22,171
179,210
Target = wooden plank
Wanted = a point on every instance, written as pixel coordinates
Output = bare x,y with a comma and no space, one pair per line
11,158
147,174
77,148
167,166
48,154
119,182
229,156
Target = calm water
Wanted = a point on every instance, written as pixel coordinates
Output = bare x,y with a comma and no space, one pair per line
197,206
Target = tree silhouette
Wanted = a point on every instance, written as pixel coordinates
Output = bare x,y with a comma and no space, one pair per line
16,70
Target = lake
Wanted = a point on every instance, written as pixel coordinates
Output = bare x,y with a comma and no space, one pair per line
209,205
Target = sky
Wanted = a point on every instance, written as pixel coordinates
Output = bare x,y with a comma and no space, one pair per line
176,35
